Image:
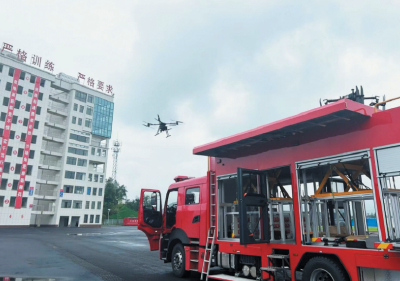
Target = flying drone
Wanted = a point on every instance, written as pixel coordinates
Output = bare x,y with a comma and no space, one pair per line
162,126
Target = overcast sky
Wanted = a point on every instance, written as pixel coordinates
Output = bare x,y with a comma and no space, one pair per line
221,67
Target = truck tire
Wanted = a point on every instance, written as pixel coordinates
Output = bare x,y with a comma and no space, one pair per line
323,268
178,261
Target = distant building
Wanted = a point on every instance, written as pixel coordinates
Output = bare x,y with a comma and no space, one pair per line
67,158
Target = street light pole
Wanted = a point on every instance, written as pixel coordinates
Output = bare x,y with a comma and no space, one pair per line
109,216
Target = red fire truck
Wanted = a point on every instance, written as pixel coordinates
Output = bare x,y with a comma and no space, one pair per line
289,200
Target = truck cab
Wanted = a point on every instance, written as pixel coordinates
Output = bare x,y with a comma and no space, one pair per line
177,225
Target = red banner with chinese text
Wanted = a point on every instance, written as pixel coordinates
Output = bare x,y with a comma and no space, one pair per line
25,158
8,123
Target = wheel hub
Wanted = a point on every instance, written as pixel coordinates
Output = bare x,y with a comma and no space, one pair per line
321,275
177,260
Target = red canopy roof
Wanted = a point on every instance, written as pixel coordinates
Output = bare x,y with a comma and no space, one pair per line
340,111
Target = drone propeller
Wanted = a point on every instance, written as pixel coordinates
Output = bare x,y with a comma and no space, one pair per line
176,122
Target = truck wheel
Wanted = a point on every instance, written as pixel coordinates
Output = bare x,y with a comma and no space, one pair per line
323,268
178,261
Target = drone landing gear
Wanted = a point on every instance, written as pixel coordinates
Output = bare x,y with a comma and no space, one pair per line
168,135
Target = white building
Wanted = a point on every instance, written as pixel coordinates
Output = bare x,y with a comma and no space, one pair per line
66,171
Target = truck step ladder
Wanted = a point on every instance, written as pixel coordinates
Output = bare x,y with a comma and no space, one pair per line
279,272
211,230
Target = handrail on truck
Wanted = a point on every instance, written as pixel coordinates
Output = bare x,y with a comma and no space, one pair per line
382,102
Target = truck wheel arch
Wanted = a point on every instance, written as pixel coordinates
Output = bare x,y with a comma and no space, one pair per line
177,236
308,255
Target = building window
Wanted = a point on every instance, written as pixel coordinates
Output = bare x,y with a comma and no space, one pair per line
31,154
97,218
93,150
99,205
93,204
91,218
88,189
94,191
11,72
80,176
22,75
8,86
1,201
68,188
12,135
80,121
85,218
81,108
77,204
90,177
102,117
89,110
33,79
80,96
36,126
34,138
26,121
3,184
12,201
100,192
9,150
5,101
88,123
66,204
15,119
101,178
79,138
3,115
40,96
77,151
26,185
75,107
79,189
96,178
20,90
24,202
82,162
15,185
28,107
42,82
23,137
29,170
69,175
71,160
104,153
89,98
17,104
30,93
38,110
6,168
73,120
98,152
17,169
1,68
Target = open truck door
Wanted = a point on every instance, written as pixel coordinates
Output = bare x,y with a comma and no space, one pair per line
253,206
150,216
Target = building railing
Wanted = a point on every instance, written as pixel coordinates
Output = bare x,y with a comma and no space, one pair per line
58,107
49,177
61,95
54,134
98,144
43,208
56,120
45,192
50,163
52,148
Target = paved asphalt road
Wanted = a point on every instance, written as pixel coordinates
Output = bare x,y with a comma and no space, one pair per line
107,253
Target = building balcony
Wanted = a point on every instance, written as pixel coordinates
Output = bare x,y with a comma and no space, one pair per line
50,165
43,209
45,194
57,108
54,136
56,122
59,97
48,179
50,149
